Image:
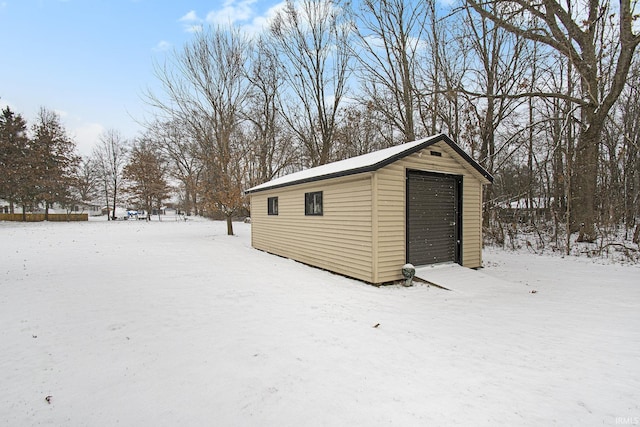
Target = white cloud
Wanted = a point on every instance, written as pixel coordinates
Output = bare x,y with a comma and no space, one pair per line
162,46
193,28
232,11
240,13
260,23
191,22
190,16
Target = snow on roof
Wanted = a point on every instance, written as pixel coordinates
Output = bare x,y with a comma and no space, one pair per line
345,167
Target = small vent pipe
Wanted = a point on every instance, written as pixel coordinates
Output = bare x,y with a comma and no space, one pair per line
408,271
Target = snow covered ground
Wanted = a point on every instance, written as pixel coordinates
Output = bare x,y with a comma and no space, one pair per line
174,323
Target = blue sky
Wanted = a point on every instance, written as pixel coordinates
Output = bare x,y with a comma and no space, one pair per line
91,60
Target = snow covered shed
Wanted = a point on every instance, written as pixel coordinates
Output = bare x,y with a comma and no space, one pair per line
365,217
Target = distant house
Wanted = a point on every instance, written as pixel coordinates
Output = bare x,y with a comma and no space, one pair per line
56,213
93,208
4,206
365,217
90,208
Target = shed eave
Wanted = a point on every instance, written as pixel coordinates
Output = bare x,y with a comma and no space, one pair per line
380,164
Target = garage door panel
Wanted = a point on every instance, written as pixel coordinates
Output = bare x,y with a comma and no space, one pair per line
431,218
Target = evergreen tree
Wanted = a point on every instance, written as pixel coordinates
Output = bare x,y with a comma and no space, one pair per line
54,160
14,166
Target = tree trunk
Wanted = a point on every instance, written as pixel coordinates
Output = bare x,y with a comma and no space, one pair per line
229,226
195,210
407,99
487,152
585,179
106,197
114,204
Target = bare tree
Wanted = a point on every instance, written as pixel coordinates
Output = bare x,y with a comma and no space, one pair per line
389,34
497,68
110,156
312,41
87,181
554,136
222,188
146,173
446,62
175,142
206,88
628,128
498,63
601,49
361,131
433,79
269,147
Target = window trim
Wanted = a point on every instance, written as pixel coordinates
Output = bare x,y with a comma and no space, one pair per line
272,205
310,202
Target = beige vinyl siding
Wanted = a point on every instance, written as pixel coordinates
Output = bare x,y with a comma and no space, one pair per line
361,233
472,224
391,222
340,240
391,194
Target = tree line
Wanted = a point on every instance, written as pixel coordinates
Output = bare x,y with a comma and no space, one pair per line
36,169
543,94
40,168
